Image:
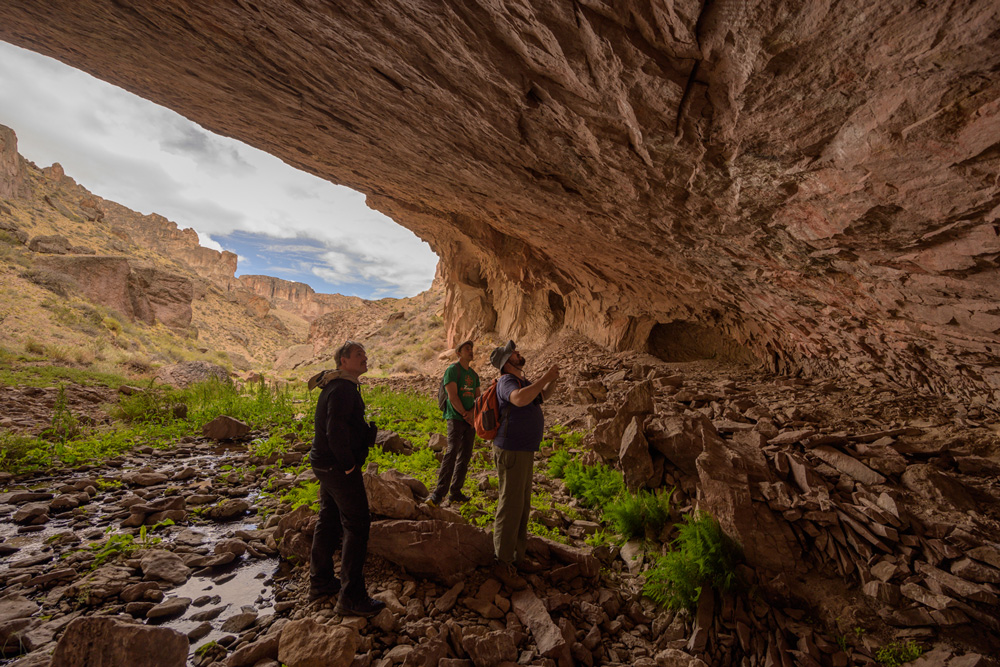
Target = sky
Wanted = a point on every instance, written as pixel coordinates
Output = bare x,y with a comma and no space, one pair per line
279,221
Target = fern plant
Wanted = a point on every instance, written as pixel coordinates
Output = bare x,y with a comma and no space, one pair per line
703,555
595,486
558,462
631,514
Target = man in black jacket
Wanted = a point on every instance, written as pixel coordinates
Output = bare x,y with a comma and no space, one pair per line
338,453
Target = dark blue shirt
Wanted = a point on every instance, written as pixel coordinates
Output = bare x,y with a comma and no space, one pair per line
521,429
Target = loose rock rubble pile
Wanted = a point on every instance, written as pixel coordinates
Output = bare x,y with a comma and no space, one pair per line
851,513
823,495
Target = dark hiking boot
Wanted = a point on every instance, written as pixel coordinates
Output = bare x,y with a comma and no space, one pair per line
324,591
507,574
459,498
432,501
367,607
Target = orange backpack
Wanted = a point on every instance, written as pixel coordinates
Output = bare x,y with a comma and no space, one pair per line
488,415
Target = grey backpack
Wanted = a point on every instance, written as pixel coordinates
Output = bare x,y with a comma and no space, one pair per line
443,395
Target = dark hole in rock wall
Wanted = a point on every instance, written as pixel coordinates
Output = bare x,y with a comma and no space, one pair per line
687,341
557,307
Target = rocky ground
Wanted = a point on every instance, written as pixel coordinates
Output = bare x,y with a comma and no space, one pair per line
866,516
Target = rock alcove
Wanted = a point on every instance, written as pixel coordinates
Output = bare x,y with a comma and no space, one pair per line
822,176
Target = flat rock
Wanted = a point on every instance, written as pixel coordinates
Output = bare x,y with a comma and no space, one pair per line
847,464
105,640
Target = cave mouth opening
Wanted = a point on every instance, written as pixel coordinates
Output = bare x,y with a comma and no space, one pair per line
557,308
680,341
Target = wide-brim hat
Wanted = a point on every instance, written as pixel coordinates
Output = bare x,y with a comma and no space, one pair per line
458,349
500,355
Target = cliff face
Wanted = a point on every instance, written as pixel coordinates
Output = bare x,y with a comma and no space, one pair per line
164,237
810,185
11,177
297,298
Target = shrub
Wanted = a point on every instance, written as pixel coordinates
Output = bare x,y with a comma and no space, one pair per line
112,325
703,555
59,352
152,404
404,367
32,346
896,653
64,425
632,513
21,451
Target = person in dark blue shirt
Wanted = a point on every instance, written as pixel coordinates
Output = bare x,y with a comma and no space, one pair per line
517,440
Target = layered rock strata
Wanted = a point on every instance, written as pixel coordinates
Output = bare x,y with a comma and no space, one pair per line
296,297
138,292
810,186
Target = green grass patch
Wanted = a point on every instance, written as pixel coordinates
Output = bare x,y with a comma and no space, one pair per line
147,418
897,653
412,415
14,371
703,555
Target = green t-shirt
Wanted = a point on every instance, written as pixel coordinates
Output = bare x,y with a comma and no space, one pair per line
467,381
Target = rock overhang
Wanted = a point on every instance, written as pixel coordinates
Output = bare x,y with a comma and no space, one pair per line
810,186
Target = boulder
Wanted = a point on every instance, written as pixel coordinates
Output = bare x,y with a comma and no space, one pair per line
165,565
437,442
107,641
294,534
228,510
491,649
225,427
418,488
16,606
548,638
258,651
292,357
393,443
388,497
187,373
636,463
682,439
104,582
432,548
306,643
727,475
55,244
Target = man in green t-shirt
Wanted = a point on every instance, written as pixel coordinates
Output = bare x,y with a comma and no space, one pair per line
462,385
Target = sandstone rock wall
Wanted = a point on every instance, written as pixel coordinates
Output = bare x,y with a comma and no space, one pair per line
155,232
810,185
297,297
143,293
12,185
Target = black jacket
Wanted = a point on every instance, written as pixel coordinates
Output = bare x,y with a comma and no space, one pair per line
342,435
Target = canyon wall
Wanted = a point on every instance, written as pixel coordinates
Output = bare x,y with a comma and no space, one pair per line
297,297
808,185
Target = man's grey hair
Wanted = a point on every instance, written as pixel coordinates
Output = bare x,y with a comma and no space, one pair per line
346,350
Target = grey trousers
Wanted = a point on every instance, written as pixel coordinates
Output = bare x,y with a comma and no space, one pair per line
510,527
455,464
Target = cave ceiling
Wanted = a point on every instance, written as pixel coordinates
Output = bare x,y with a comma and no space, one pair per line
812,184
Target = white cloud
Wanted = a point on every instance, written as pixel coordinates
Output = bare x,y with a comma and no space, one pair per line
148,158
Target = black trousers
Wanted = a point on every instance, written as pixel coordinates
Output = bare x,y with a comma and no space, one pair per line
343,517
455,464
